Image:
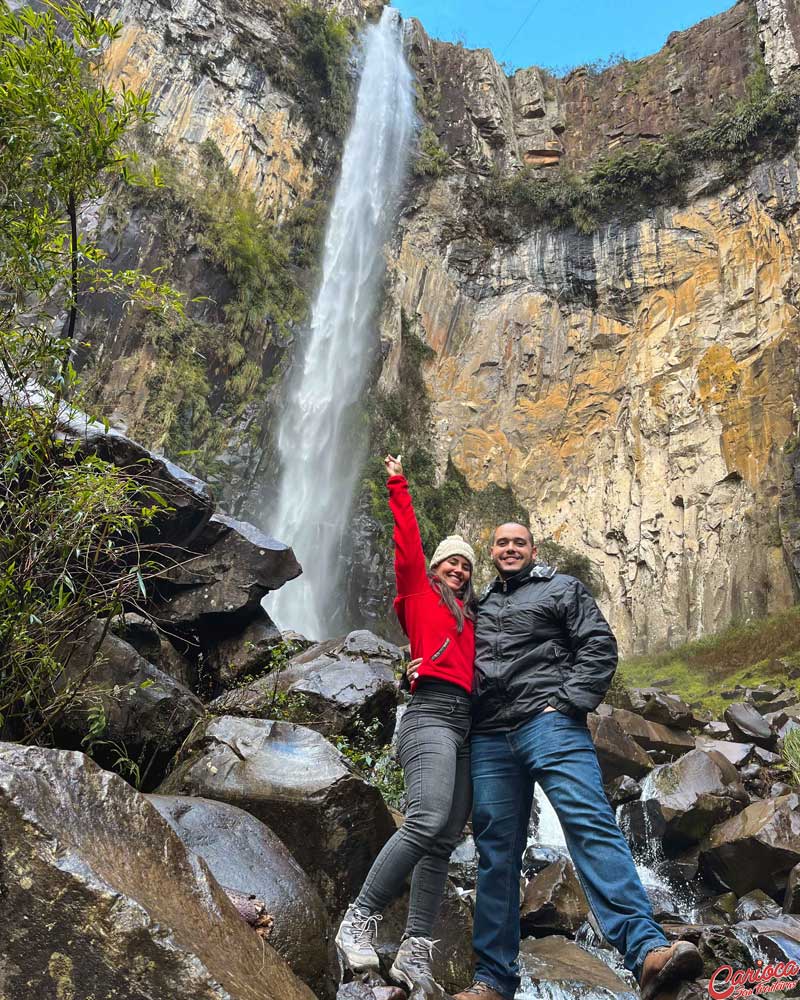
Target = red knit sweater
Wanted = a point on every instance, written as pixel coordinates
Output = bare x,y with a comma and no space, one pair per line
430,627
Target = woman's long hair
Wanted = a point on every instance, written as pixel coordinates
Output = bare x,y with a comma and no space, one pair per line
448,599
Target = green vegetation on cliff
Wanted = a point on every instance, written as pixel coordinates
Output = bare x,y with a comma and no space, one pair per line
628,184
69,549
209,366
749,653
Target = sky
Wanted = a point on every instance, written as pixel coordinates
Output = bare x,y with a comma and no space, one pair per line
559,34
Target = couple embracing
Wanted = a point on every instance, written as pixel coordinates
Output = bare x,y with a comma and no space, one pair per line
501,687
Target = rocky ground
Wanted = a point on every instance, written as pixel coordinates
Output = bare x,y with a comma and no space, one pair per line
222,866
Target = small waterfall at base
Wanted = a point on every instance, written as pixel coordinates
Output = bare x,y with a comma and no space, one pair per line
320,460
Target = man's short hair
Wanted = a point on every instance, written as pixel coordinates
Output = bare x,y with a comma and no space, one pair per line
521,525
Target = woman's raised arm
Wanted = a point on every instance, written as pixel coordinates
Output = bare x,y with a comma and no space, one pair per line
410,566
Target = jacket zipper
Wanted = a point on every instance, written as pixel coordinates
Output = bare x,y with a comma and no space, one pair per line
440,650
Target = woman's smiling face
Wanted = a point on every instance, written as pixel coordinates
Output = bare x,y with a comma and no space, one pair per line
454,572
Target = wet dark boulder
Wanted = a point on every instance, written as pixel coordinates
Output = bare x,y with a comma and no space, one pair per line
155,646
245,855
136,708
617,753
338,692
219,583
623,789
574,973
248,653
101,898
750,944
757,848
554,902
299,785
650,735
659,706
748,725
691,795
756,905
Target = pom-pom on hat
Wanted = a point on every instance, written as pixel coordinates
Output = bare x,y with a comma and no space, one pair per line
453,545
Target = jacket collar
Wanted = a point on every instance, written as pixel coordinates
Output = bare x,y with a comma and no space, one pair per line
538,571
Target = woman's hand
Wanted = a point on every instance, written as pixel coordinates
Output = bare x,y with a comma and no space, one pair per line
393,466
412,670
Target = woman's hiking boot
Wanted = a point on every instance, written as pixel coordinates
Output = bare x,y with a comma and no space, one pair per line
355,941
412,965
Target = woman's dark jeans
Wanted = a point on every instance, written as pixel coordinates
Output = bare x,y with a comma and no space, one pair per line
433,748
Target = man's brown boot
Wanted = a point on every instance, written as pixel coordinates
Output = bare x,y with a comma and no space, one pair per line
479,991
664,967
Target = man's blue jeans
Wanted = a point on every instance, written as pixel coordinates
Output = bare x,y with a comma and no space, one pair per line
557,752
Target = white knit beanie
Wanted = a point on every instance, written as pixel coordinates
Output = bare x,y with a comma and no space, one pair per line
453,545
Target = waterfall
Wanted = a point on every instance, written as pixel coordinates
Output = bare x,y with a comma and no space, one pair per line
317,440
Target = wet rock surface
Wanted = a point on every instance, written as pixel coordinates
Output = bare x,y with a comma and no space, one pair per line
757,848
337,692
650,735
230,658
553,902
690,795
137,913
617,753
245,855
299,785
747,724
220,582
576,973
145,712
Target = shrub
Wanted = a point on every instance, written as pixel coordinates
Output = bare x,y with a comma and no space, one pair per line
69,522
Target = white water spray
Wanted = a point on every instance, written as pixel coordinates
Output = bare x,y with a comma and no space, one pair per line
319,454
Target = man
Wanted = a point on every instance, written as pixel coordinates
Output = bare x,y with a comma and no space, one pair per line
544,658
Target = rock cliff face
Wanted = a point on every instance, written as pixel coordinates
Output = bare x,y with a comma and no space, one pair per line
637,387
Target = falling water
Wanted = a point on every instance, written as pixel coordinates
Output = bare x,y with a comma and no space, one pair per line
319,454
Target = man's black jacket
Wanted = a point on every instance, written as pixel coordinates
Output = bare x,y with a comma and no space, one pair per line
540,640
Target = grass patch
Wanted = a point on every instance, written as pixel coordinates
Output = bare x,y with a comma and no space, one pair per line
749,653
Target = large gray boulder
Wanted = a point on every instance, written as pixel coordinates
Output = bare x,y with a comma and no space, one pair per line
102,899
690,795
296,782
348,686
245,855
617,753
748,725
757,848
220,582
650,735
137,708
553,963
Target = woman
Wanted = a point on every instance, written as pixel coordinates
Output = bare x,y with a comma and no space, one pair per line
436,608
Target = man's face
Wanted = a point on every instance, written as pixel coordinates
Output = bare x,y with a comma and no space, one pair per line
512,549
